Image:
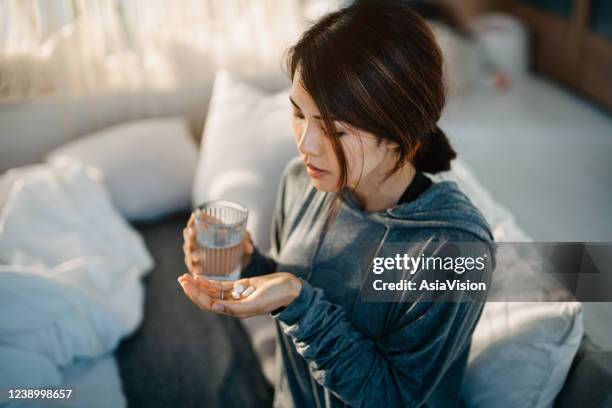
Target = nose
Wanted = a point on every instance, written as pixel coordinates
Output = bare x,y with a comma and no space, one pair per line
310,141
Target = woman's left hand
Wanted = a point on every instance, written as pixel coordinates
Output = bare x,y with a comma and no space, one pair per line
271,292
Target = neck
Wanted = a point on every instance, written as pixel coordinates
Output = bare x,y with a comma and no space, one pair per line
378,195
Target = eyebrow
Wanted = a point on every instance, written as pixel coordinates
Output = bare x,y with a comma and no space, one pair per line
298,108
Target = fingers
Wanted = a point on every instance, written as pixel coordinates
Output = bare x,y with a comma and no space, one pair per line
240,308
189,236
226,286
190,251
188,261
237,308
197,296
214,292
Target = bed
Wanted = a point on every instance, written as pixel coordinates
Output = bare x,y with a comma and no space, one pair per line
180,356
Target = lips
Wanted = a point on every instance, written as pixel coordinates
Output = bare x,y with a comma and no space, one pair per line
314,168
315,172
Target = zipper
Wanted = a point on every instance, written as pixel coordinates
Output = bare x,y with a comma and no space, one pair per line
378,249
328,403
292,360
317,247
314,391
313,384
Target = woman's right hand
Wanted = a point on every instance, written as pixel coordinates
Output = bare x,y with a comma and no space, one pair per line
192,252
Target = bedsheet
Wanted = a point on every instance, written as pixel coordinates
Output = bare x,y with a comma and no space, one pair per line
70,284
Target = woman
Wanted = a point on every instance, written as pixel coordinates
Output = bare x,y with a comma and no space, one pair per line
367,93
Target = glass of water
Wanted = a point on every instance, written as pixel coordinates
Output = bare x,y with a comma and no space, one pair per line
220,230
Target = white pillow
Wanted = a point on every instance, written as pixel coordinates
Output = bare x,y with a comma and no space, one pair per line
247,142
521,351
147,165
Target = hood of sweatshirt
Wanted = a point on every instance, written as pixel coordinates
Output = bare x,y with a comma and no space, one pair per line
442,205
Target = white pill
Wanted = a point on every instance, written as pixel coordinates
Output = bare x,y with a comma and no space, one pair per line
248,291
238,288
235,295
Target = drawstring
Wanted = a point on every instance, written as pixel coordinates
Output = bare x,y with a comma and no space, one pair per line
316,250
378,249
365,275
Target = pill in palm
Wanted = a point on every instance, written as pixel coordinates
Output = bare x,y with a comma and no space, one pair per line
238,288
235,295
248,291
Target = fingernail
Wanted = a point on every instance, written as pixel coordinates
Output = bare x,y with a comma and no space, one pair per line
218,307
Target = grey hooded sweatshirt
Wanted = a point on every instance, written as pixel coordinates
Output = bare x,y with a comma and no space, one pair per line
335,350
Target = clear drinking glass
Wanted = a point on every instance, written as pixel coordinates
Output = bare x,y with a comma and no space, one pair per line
220,232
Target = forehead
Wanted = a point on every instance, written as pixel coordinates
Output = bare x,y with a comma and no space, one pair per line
301,96
304,101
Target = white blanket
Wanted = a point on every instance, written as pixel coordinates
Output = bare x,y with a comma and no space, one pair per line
70,283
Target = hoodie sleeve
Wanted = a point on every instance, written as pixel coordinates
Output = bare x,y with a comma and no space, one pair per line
400,368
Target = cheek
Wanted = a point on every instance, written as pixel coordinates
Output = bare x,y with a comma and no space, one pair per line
298,129
354,153
362,158
332,163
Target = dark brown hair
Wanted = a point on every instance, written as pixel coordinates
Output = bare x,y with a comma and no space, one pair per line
377,68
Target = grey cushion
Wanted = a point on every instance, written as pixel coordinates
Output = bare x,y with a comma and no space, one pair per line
589,382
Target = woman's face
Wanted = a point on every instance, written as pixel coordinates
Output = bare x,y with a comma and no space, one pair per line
366,161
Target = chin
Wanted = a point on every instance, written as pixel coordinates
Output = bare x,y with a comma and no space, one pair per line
325,186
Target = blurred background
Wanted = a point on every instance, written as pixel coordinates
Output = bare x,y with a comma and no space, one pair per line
529,108
75,66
